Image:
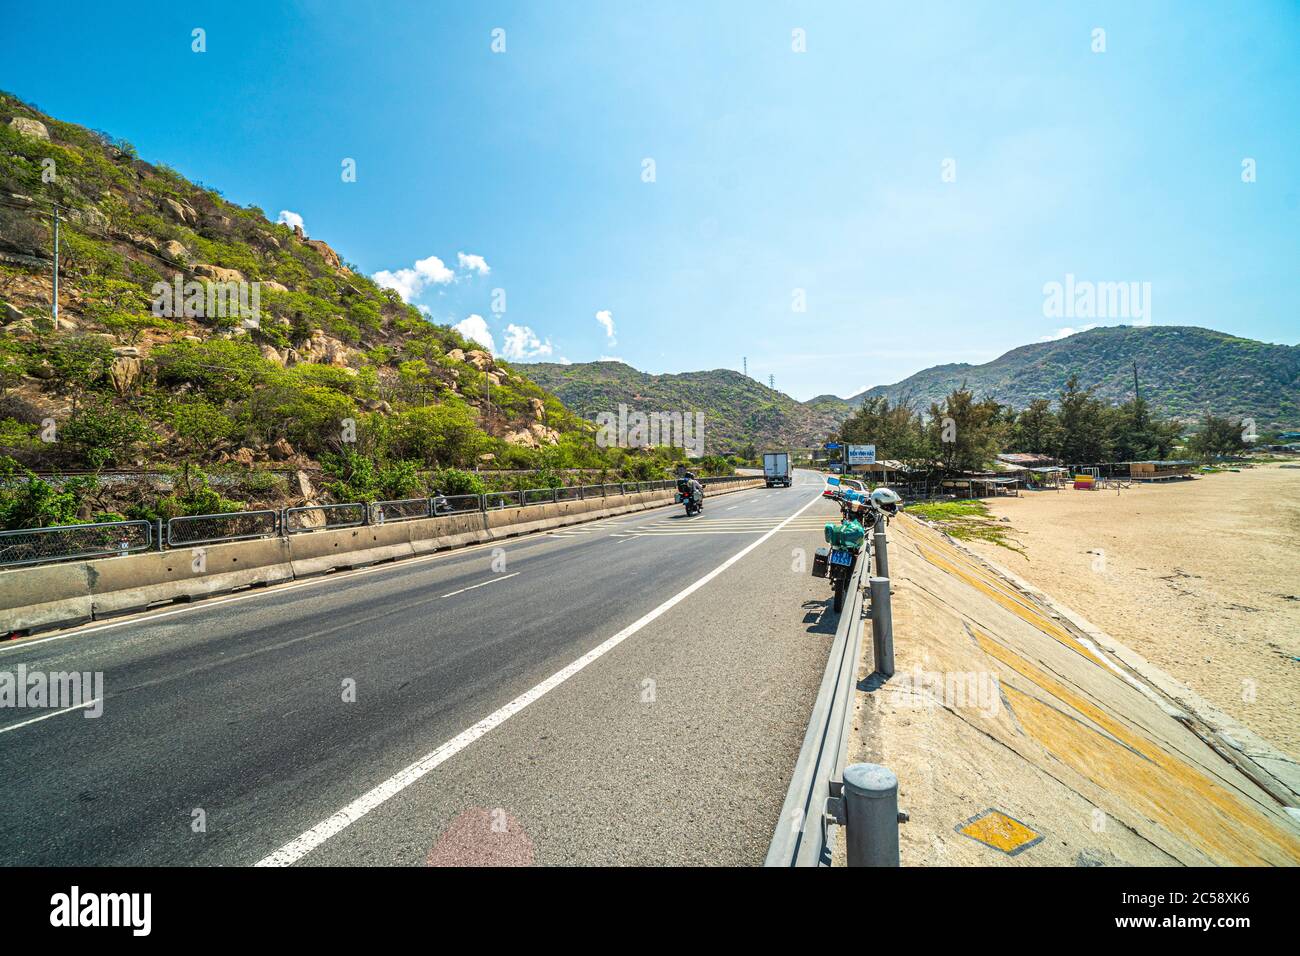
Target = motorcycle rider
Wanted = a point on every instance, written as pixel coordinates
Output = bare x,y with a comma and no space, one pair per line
696,489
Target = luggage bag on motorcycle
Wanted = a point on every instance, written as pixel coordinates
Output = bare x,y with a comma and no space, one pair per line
821,562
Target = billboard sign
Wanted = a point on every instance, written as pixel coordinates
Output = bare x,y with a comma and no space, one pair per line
861,454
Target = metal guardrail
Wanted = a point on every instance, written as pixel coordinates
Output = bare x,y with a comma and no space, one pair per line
74,542
107,539
234,526
803,836
323,517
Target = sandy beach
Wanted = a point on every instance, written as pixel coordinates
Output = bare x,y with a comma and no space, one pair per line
1201,577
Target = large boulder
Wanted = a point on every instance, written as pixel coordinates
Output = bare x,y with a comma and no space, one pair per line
479,359
182,211
175,251
270,286
29,127
9,313
329,255
216,273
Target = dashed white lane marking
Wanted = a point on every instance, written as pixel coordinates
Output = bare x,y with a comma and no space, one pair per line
483,585
733,507
296,849
53,713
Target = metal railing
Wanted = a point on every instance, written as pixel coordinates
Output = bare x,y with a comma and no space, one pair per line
107,539
74,542
403,509
496,500
234,526
456,504
539,496
323,517
802,836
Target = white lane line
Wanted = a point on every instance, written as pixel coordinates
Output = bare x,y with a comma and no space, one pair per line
296,849
483,585
53,713
733,507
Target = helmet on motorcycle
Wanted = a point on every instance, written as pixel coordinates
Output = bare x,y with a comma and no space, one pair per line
886,500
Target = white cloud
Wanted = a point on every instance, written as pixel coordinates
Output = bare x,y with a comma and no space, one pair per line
522,343
1065,332
291,219
475,328
563,361
408,283
473,263
606,319
612,358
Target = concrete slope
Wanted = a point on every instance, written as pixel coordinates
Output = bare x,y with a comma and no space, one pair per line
1017,740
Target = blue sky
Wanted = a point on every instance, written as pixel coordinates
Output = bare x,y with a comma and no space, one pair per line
775,171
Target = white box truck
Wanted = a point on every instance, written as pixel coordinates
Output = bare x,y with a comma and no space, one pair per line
776,468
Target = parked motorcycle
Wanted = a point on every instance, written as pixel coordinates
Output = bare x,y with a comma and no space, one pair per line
847,540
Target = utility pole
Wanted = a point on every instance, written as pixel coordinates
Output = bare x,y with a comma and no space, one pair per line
1137,392
771,382
744,364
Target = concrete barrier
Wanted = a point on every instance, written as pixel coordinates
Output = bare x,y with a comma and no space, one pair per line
61,595
322,551
137,581
49,595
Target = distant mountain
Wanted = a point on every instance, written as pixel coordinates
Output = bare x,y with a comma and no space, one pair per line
1183,372
738,410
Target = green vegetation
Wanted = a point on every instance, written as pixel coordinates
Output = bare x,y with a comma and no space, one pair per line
966,521
336,372
740,413
962,434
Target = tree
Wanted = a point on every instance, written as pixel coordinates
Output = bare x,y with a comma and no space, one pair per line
895,430
965,435
1218,438
104,434
1084,432
1036,429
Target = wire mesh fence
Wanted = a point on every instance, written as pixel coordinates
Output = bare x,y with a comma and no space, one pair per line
496,500
405,509
235,526
324,517
455,504
539,496
74,542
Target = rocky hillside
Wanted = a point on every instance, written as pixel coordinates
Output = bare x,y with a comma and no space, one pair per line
738,411
1183,371
131,375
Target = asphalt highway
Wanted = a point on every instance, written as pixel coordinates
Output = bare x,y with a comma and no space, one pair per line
628,691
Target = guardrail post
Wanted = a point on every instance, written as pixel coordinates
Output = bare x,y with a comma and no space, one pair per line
882,627
159,524
871,815
882,548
